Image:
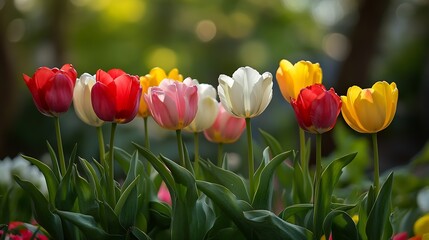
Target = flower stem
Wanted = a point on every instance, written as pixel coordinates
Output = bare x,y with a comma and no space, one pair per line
146,142
220,155
304,163
146,134
111,171
250,156
196,153
101,146
60,146
317,177
180,147
318,173
376,163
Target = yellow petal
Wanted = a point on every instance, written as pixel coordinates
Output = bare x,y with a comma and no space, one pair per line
421,226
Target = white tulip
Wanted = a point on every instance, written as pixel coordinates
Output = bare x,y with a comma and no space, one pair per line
82,100
207,108
247,94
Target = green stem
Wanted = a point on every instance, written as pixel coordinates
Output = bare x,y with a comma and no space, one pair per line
316,195
60,146
220,155
196,153
250,156
147,143
376,163
302,149
180,147
146,134
111,171
101,146
318,173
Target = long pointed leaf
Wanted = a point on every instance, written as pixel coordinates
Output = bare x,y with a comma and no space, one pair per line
126,207
261,199
43,215
50,178
54,160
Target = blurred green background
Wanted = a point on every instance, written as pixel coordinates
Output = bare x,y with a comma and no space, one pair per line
357,42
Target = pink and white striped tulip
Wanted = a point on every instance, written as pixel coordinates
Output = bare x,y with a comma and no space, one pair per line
173,105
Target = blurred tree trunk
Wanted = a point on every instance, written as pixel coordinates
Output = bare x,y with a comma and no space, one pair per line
364,42
7,88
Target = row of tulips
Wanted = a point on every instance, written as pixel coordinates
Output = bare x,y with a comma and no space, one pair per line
180,104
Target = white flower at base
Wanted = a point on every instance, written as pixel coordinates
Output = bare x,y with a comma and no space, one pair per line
207,108
82,100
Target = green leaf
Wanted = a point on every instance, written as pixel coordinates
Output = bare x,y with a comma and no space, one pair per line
159,167
126,207
272,143
266,225
325,188
4,206
225,178
66,195
296,209
340,225
86,197
262,198
302,184
72,157
254,224
202,219
87,225
50,178
54,160
92,177
123,158
139,234
43,215
378,218
110,220
160,214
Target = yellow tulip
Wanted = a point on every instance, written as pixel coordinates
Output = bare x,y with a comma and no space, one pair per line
421,226
293,78
155,76
370,110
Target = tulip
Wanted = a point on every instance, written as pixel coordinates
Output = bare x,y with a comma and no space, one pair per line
164,194
317,109
82,100
52,89
370,110
247,93
154,78
207,108
293,78
173,105
226,128
115,96
421,226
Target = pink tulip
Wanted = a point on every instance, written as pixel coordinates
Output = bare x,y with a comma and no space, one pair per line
226,128
172,104
164,194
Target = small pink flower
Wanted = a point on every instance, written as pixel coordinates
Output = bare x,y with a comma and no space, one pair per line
173,105
401,236
226,128
164,194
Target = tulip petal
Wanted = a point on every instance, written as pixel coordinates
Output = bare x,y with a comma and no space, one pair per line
59,94
103,101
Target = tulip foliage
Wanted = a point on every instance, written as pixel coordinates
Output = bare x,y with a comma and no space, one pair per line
163,198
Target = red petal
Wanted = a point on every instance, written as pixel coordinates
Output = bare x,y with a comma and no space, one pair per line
59,93
102,76
114,73
103,101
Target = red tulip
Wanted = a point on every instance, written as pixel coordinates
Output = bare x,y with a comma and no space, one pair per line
317,109
52,89
115,96
226,129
